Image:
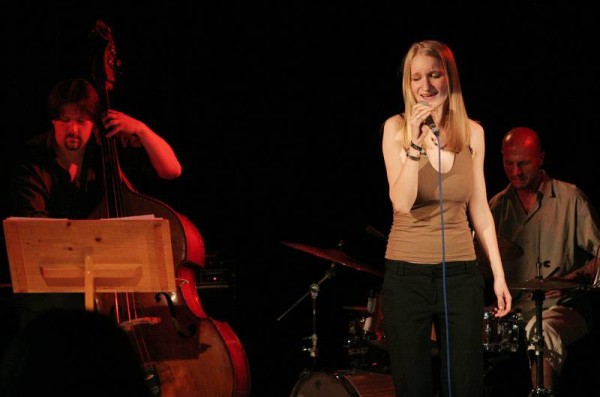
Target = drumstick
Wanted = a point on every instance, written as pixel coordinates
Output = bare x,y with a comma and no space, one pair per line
553,272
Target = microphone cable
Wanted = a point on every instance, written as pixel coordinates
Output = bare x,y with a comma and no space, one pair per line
439,146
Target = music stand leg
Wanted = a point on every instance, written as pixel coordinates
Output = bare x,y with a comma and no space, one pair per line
88,278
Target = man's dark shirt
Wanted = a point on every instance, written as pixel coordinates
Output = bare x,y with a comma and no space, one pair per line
42,188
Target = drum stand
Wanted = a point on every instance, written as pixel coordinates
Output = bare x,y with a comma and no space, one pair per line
314,293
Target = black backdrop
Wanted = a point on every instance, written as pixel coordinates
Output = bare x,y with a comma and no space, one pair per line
275,111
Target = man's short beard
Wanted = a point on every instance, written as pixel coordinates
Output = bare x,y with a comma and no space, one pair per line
72,146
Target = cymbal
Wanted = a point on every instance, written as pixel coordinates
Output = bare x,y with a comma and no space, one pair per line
334,255
539,284
508,250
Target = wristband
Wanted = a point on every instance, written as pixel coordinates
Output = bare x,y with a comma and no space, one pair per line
415,146
410,156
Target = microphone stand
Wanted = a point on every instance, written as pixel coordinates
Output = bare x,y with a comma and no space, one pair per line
313,291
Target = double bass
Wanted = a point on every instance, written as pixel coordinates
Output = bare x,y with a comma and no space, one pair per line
184,352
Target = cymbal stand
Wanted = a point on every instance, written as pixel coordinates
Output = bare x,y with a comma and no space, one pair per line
312,350
538,341
538,296
313,291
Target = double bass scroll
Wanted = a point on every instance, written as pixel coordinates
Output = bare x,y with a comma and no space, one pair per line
184,351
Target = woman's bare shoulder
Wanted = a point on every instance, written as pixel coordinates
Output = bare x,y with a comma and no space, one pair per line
396,120
393,125
475,128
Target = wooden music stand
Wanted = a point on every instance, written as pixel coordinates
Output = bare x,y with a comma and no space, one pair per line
107,255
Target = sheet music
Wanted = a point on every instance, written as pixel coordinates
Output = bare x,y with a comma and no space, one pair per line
133,217
33,218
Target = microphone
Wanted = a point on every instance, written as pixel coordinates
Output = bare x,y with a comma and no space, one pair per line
431,124
429,121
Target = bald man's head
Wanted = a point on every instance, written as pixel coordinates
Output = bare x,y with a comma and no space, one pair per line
523,157
522,137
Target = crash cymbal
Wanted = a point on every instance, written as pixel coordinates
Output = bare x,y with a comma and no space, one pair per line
509,251
539,284
334,255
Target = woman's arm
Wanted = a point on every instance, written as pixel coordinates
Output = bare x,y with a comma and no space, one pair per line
483,222
402,172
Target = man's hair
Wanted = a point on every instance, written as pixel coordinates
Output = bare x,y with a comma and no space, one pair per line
78,92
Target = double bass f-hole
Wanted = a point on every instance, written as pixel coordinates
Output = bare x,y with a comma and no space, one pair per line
185,353
191,331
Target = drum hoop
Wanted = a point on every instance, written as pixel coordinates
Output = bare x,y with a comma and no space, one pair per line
346,383
343,378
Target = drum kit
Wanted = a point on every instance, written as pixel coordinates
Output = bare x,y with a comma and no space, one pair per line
364,329
366,344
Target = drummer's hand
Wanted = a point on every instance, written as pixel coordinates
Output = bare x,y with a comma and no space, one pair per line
503,296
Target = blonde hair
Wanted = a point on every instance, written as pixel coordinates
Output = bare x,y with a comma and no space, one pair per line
455,121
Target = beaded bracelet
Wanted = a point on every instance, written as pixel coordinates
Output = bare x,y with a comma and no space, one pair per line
410,156
415,146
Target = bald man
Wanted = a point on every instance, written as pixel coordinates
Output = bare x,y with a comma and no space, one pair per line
557,227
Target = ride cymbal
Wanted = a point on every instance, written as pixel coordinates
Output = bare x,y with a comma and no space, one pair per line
333,255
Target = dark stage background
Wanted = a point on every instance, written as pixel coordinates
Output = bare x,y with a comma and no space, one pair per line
275,111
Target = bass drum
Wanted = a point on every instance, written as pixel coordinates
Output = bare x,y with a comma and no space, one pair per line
344,384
